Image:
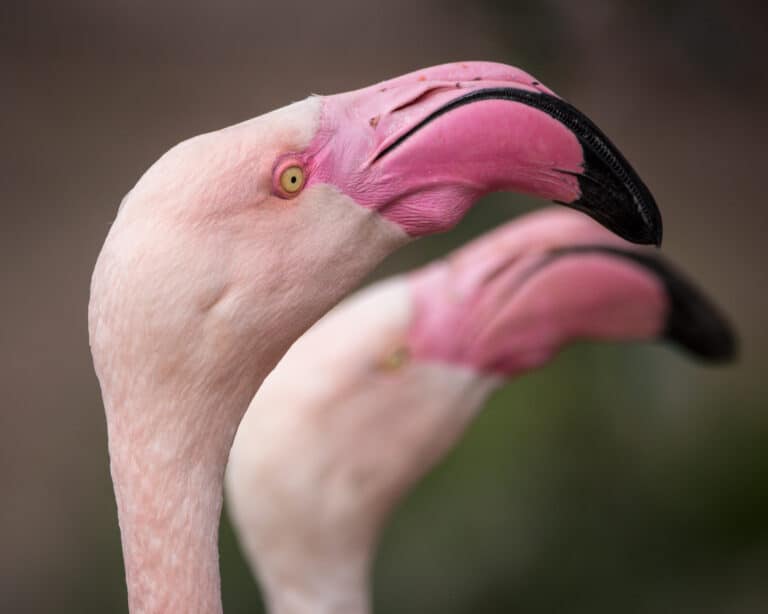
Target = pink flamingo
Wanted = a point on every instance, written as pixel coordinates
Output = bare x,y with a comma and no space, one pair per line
377,392
233,243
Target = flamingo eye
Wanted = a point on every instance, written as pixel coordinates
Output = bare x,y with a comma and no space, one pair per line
292,179
395,359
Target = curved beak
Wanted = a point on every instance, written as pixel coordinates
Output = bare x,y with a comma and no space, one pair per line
424,147
693,321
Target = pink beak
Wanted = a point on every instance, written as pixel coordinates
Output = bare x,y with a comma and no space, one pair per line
692,321
422,148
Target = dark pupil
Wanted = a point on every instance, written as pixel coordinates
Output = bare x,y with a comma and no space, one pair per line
293,178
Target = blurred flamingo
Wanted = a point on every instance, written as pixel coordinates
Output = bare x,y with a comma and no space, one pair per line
234,242
377,392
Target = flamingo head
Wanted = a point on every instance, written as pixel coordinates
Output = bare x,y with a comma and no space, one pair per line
520,294
235,241
379,390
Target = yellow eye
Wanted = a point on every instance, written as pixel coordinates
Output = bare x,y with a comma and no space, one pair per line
395,359
292,179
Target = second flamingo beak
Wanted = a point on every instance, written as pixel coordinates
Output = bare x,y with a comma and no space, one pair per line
422,148
693,322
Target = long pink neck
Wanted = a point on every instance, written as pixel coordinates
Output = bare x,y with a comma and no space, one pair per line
167,468
169,535
178,371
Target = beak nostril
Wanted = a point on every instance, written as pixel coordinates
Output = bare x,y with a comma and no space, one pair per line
421,95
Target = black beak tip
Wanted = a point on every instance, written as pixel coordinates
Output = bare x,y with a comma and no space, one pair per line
694,322
659,235
655,232
655,225
697,326
613,194
642,226
610,190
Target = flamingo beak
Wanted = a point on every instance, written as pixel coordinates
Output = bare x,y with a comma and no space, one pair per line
693,321
422,148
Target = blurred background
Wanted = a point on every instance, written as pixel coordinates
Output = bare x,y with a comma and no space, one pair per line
618,479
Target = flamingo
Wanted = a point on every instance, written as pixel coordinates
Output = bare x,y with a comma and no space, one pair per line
378,391
234,242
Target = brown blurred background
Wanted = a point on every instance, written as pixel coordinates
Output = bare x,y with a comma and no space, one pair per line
619,479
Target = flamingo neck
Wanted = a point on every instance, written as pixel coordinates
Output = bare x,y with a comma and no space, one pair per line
167,469
179,362
169,537
335,589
